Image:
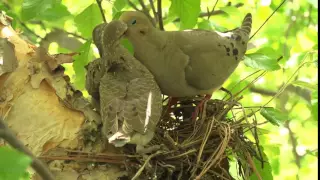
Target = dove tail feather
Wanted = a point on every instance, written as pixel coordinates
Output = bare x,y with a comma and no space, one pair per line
246,24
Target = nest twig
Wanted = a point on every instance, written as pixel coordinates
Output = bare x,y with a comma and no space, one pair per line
200,150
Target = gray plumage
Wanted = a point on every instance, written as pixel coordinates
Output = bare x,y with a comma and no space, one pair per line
130,99
190,62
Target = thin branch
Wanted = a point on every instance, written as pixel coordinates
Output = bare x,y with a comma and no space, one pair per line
145,10
217,12
214,6
101,10
144,165
267,19
36,164
294,143
160,15
133,5
71,33
153,10
304,93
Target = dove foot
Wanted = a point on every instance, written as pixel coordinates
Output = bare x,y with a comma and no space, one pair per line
199,108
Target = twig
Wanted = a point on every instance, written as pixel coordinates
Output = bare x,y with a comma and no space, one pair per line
133,5
214,6
28,29
217,12
36,164
101,10
304,93
153,10
279,92
241,81
160,15
294,143
218,153
250,84
71,33
144,165
251,163
267,19
146,11
144,8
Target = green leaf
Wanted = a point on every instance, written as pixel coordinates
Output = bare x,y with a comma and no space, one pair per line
314,105
269,52
127,44
32,8
261,61
209,25
79,62
218,27
56,13
205,24
87,20
117,15
118,5
266,171
274,116
231,10
13,163
305,85
187,10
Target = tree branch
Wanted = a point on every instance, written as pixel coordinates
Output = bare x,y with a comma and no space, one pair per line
305,94
132,5
160,15
101,10
36,164
214,6
294,143
145,10
153,10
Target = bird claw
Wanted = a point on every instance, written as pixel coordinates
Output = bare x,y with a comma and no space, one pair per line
200,108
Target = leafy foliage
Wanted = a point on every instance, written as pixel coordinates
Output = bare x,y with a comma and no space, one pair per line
274,116
88,19
13,164
80,61
261,61
187,10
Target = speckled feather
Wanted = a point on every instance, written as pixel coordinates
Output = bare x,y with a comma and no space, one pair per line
130,99
191,62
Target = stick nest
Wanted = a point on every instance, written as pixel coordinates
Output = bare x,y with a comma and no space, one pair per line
199,149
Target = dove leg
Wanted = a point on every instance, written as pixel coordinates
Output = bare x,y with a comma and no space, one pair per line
199,107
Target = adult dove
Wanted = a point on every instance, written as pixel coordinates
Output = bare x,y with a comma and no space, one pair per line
130,99
187,63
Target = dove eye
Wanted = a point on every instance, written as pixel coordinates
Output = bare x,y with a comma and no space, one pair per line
134,22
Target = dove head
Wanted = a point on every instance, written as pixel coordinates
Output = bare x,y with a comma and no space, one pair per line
109,33
138,24
115,30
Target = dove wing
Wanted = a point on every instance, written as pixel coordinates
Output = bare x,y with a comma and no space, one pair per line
143,106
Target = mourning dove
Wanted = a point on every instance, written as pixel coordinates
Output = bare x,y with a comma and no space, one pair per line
95,71
130,99
187,63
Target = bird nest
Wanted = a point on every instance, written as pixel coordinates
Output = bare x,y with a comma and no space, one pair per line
199,149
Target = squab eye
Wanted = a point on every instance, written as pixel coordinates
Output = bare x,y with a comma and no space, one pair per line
134,22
